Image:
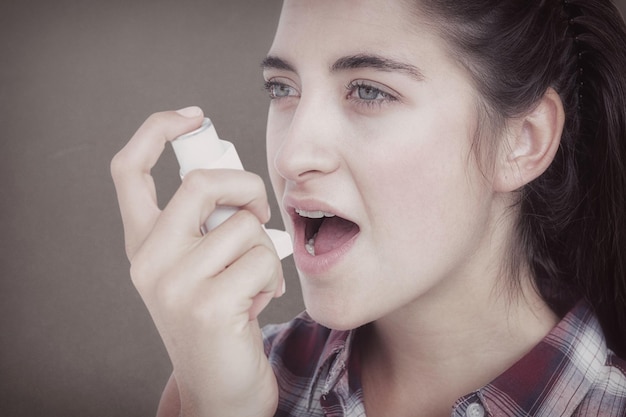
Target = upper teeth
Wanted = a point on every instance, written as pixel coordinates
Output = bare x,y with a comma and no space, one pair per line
316,214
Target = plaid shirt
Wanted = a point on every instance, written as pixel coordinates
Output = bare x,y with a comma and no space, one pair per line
569,373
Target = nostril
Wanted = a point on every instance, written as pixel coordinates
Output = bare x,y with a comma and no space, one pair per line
302,159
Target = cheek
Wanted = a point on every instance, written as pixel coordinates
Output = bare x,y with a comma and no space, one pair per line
416,188
429,185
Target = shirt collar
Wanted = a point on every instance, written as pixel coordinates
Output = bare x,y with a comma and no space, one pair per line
564,365
333,362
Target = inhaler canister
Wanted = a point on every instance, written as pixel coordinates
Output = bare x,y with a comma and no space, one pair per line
202,149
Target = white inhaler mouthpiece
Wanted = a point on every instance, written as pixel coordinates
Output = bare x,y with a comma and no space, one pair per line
202,149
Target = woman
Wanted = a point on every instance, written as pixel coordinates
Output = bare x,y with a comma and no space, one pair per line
453,175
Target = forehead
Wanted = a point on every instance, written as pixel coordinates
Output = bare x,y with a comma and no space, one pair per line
374,13
349,26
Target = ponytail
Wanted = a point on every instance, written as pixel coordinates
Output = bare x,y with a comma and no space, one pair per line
571,230
599,272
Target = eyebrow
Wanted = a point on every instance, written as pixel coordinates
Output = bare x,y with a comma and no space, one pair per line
351,62
274,62
376,62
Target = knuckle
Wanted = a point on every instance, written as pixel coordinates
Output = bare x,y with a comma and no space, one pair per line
258,182
247,219
138,274
130,249
196,181
258,187
138,277
154,125
143,270
119,164
159,124
157,118
247,223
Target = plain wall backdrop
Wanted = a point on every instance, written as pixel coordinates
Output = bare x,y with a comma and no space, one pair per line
77,78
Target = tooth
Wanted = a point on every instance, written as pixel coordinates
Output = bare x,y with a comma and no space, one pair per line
316,214
310,245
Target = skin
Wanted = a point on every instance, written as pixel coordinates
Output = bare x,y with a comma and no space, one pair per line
388,165
400,161
182,277
385,141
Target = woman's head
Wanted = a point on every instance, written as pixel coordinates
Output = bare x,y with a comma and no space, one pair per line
418,70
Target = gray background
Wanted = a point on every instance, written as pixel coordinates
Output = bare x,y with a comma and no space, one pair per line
76,80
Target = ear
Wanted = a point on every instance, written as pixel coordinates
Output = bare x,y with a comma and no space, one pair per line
531,143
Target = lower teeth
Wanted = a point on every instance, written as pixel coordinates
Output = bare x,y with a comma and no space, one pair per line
310,246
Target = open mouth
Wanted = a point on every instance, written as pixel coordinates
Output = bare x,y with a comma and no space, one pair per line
325,232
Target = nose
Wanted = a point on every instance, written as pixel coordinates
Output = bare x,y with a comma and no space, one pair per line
307,142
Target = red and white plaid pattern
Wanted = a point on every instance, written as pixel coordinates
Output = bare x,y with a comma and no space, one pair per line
569,373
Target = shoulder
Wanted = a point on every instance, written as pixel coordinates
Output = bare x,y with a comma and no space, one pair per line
607,396
603,371
571,372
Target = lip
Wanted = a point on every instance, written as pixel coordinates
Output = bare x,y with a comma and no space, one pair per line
305,262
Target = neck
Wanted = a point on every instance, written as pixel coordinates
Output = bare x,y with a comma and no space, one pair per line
451,341
434,356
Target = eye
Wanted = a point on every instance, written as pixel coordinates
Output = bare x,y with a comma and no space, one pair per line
277,90
369,93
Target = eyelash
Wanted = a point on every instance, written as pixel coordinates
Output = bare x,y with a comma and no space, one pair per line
269,87
352,88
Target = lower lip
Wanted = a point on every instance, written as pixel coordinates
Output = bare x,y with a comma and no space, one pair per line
321,264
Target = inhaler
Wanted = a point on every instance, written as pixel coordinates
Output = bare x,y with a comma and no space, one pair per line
202,149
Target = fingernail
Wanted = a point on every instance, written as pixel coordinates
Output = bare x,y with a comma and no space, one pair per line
191,111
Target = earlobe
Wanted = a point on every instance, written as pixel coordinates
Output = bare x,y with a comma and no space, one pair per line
532,143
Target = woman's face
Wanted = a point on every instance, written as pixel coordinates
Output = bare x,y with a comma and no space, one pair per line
372,122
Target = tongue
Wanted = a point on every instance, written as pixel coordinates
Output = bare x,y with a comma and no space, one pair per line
333,233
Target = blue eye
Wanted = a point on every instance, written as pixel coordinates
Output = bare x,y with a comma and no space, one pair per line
279,90
369,93
366,92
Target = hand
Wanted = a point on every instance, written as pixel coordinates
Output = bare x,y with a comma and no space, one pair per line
204,293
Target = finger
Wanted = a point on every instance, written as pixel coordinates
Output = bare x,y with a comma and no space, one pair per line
203,190
252,281
210,255
131,167
282,288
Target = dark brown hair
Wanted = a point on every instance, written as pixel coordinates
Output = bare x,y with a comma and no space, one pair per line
571,230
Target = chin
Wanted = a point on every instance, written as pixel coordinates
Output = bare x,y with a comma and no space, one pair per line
336,316
334,323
